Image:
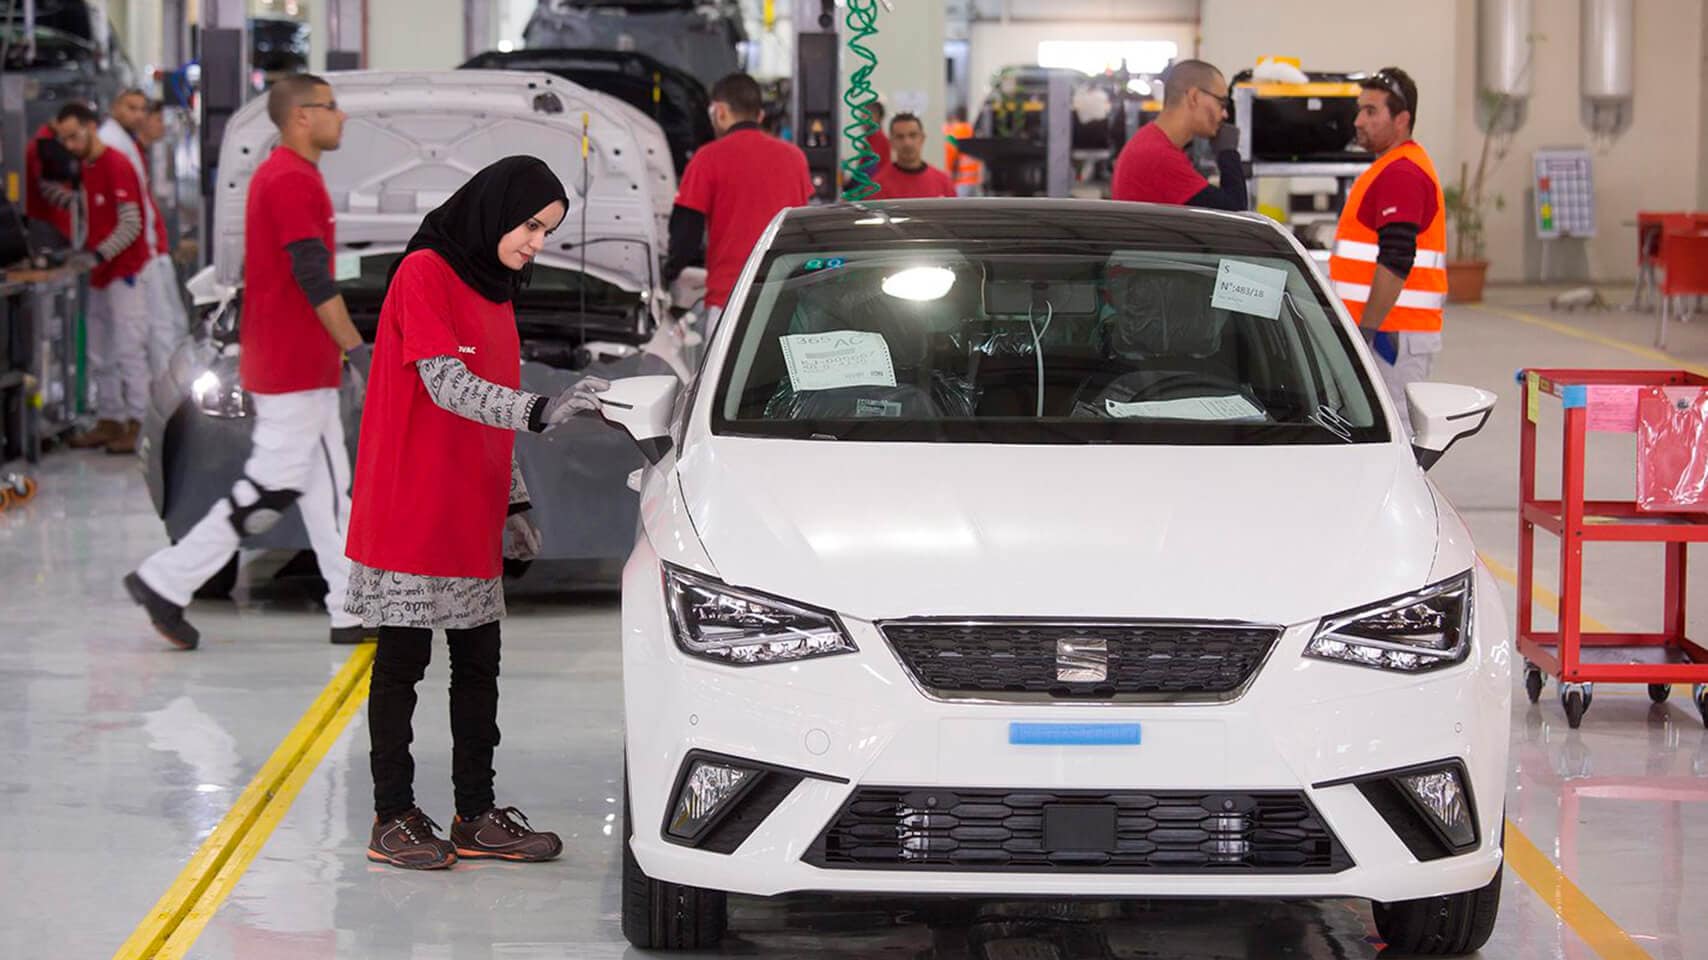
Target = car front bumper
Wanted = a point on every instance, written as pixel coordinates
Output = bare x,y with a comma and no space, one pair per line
858,720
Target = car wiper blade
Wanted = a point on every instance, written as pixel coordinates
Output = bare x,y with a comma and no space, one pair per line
1330,419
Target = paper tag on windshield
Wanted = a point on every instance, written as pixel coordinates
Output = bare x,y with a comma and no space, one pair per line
1249,288
1230,408
346,266
841,358
876,408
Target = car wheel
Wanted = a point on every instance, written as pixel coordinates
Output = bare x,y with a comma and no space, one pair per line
666,916
220,585
1448,926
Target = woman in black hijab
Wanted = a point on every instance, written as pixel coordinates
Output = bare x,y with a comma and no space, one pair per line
438,501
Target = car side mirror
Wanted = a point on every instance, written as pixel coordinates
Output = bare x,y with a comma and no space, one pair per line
1442,414
642,406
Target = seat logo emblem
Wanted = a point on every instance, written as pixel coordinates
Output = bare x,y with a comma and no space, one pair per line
1082,660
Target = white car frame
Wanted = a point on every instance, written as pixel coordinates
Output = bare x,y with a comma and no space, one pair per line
754,761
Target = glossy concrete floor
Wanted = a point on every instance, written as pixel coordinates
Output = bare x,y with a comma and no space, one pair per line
117,757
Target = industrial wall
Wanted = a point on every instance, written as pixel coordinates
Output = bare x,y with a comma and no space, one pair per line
415,34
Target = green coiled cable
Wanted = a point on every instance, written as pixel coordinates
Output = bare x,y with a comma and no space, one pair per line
862,24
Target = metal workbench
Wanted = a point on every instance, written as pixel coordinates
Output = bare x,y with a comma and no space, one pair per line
41,371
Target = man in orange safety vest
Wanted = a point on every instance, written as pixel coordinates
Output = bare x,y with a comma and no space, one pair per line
1389,264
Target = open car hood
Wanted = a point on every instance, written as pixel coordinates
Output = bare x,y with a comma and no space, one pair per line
413,138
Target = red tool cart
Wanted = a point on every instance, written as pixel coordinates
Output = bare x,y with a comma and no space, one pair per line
1639,401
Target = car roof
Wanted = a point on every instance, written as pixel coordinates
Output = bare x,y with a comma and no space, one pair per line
1016,220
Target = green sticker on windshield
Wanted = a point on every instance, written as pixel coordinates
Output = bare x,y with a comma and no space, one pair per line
346,266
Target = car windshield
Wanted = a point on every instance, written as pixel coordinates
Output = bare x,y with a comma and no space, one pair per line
1002,343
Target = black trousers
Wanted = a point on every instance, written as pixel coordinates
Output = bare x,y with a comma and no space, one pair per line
399,664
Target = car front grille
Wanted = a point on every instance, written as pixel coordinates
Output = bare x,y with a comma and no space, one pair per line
932,829
1129,661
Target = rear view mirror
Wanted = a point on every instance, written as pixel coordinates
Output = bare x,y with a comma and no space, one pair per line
642,406
1442,414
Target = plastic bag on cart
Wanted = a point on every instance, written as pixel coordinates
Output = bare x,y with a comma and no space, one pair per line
1672,449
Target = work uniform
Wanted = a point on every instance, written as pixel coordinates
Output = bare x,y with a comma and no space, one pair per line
966,169
117,316
1151,169
48,200
167,323
1399,194
738,183
896,182
291,368
879,142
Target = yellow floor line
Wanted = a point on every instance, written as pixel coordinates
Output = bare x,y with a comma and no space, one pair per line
1549,598
179,916
1565,898
1568,330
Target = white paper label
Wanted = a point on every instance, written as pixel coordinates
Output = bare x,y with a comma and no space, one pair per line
841,358
1233,408
1249,288
876,408
346,266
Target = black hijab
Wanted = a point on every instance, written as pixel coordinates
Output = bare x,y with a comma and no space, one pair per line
465,229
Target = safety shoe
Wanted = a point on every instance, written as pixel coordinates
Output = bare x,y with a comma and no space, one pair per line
167,617
125,442
344,636
103,433
503,833
410,842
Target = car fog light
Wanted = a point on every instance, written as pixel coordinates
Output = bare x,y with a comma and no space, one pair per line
708,788
1442,796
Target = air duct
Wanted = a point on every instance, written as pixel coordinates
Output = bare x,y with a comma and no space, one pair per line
1606,49
1504,63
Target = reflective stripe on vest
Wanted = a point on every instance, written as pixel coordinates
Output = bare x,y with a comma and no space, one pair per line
1352,265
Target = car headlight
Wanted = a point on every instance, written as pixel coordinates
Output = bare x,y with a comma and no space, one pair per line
715,621
218,392
1425,630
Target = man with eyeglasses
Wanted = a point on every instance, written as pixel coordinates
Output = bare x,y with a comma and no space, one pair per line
294,333
1153,166
1389,264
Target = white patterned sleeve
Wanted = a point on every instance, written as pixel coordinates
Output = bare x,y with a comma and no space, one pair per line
456,388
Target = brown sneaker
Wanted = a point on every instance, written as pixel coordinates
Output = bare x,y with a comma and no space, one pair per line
410,842
104,432
503,833
125,442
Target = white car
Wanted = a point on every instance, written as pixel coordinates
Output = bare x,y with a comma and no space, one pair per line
1053,548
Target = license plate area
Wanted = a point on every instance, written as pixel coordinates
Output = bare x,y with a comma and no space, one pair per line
1079,827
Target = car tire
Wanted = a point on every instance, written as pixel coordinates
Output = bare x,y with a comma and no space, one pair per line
1447,926
658,915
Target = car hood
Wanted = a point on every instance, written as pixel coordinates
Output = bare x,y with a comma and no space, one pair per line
1273,534
413,138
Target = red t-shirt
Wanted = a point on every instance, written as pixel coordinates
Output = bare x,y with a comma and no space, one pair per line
1151,169
740,181
433,488
879,141
285,349
109,181
1401,193
894,183
36,203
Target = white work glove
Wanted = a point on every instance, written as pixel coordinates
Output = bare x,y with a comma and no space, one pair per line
578,398
521,538
353,376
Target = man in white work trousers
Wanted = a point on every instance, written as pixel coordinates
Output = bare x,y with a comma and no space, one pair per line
126,132
294,332
1389,264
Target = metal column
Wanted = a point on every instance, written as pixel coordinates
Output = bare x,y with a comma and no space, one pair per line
224,57
346,35
815,94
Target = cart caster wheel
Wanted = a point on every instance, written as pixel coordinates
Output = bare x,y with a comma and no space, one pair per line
1533,683
1658,692
1575,702
16,490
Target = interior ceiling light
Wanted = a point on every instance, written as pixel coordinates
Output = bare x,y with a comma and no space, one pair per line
920,283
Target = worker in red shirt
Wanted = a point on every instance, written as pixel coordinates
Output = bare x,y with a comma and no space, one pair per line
294,332
1389,265
117,315
730,192
909,176
1153,166
879,144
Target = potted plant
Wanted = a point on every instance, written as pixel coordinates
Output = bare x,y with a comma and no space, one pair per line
1499,116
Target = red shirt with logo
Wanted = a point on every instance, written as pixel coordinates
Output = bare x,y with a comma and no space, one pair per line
1151,169
895,183
1401,193
109,182
285,349
740,181
433,488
